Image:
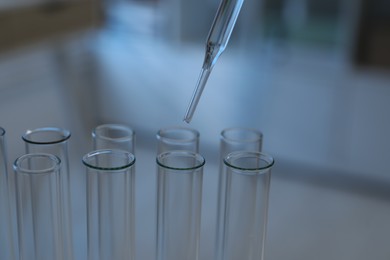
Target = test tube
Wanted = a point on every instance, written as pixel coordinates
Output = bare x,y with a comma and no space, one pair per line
177,138
179,196
53,140
114,136
7,242
38,207
239,139
248,176
110,204
231,140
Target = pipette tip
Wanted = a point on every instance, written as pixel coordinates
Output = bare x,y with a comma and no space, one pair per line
187,120
189,113
204,75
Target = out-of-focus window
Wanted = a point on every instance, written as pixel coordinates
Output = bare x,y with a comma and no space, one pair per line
373,38
303,22
27,21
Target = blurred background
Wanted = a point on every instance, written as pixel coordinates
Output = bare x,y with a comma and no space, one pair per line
312,75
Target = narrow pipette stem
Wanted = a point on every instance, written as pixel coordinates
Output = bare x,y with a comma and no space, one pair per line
217,40
204,75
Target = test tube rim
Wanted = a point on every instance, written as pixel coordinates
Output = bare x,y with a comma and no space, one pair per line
195,133
200,159
250,171
55,167
129,130
258,135
65,135
106,151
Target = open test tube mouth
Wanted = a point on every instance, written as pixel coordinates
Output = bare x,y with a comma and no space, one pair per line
180,160
37,163
46,135
114,132
247,162
108,160
242,135
177,134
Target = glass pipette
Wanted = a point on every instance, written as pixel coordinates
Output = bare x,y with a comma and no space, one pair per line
217,40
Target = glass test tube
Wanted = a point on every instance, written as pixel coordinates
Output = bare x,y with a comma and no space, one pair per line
7,243
231,139
110,204
54,141
38,207
248,176
179,196
239,139
177,138
113,136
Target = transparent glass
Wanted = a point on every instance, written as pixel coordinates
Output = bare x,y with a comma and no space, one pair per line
218,38
231,140
239,139
177,138
113,136
110,204
248,176
54,141
38,207
179,196
7,243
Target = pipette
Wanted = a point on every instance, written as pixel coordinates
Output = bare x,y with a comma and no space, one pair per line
217,40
